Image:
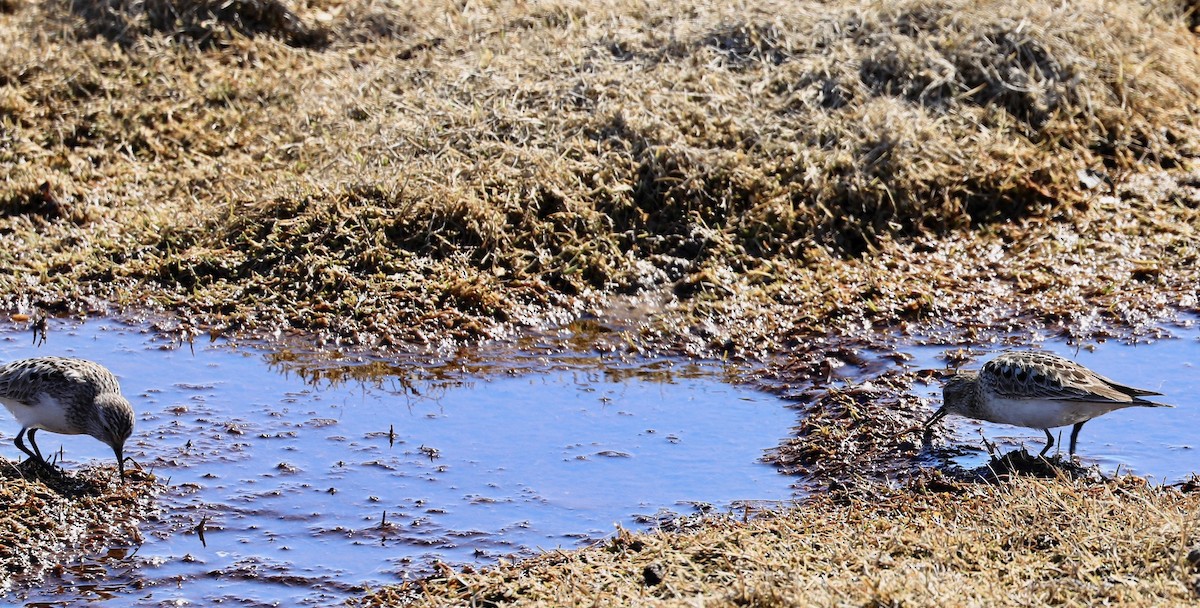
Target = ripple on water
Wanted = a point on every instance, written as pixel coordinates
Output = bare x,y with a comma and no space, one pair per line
294,491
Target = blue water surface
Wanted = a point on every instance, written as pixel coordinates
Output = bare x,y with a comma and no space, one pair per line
309,491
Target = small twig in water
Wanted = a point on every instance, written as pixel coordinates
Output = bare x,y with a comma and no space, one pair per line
989,446
39,330
200,530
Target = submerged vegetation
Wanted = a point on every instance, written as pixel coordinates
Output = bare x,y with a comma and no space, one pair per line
737,181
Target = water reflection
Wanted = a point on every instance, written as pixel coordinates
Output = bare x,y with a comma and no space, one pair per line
308,479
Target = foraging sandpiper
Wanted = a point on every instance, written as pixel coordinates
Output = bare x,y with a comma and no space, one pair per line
1038,391
67,396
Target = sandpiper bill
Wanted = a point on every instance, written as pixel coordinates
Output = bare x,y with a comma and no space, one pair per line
67,396
1038,391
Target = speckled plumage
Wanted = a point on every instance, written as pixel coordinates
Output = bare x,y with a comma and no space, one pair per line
1036,390
67,396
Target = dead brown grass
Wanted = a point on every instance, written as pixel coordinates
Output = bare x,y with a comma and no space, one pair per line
198,23
376,173
1028,542
346,167
51,519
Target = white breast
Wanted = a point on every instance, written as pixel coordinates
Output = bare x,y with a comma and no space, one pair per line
1043,413
47,414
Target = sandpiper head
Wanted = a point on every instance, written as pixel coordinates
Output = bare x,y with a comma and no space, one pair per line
114,424
958,394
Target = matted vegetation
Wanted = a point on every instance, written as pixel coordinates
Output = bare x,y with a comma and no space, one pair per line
765,177
379,173
50,518
1041,542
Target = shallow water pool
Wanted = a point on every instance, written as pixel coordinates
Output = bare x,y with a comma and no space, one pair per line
310,490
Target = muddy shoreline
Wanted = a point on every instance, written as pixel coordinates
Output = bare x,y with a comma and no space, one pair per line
853,440
53,518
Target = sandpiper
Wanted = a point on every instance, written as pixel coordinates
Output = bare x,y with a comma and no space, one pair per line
68,396
1038,391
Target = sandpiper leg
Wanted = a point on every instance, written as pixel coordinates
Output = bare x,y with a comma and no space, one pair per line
938,415
1049,443
20,441
34,444
1075,435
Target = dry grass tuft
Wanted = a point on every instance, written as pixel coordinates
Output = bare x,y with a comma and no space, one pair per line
372,156
198,23
1026,542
